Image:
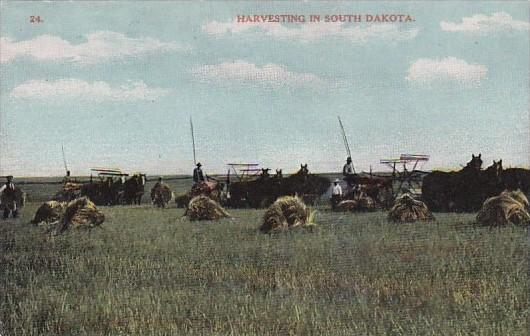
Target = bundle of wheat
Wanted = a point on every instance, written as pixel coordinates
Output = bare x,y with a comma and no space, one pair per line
204,208
365,203
161,195
80,213
72,186
518,195
348,205
182,200
407,209
202,188
68,192
49,212
510,207
287,212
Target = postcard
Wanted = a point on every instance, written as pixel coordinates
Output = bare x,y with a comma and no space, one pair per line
264,167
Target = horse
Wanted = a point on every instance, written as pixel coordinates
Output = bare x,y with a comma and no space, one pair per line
437,190
491,182
96,192
239,192
133,189
308,186
516,178
264,190
256,193
468,186
450,191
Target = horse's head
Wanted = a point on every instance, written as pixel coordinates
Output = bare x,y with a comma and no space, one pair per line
279,173
265,172
495,170
475,163
303,170
138,179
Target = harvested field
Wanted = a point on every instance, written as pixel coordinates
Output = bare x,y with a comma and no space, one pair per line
153,272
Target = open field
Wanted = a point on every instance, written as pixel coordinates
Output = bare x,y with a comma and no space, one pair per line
152,272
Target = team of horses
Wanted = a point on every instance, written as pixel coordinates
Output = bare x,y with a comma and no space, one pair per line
106,191
467,189
264,190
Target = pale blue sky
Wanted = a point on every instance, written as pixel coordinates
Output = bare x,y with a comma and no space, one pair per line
117,82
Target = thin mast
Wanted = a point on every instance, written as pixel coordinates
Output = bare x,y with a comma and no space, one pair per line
193,142
64,159
345,139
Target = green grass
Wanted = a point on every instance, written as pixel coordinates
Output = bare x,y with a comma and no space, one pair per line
152,272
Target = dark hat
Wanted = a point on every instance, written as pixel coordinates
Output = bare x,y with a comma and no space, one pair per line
199,164
348,158
9,177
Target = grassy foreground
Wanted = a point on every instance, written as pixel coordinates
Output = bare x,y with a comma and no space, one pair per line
152,272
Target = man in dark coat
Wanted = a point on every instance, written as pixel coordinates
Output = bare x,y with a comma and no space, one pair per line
198,175
7,193
348,171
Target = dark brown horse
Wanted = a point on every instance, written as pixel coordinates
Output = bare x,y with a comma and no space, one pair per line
309,186
265,189
516,178
453,191
464,190
134,189
491,181
256,193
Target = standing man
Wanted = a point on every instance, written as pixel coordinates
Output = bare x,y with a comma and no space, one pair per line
336,194
66,179
158,184
8,198
198,175
348,171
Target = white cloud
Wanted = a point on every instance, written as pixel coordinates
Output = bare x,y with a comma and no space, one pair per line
315,31
99,47
76,89
269,75
481,23
426,70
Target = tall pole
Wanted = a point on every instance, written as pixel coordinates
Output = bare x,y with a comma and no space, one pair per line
344,137
193,142
64,159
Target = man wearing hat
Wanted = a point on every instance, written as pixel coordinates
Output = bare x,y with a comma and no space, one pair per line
198,175
7,193
158,183
336,194
348,171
